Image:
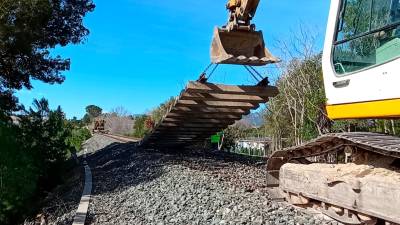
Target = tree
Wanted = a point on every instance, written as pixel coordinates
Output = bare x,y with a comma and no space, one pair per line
28,29
120,111
119,121
41,106
140,129
93,111
75,122
159,112
8,102
297,114
86,119
33,158
18,175
45,135
77,137
145,123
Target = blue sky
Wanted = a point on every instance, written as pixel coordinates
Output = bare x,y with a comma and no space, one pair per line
140,52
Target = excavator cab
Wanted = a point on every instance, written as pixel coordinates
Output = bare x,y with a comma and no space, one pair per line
240,47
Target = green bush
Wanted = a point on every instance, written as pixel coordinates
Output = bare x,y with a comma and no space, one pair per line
140,129
77,137
34,158
18,175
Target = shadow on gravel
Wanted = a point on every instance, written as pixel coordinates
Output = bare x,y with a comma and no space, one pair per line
134,186
119,166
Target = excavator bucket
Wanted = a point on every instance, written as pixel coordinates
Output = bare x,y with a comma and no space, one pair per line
240,48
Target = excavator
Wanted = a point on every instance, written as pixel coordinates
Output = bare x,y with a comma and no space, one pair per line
99,126
353,178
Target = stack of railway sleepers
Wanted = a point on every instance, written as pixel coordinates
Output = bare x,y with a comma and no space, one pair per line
203,109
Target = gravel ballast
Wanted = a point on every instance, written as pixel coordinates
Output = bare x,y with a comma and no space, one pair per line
133,186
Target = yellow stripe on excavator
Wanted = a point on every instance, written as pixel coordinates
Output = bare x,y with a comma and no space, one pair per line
233,4
363,110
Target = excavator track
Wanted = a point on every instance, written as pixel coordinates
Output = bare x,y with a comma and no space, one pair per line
312,173
372,142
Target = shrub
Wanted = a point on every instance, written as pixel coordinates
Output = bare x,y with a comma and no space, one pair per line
18,175
77,137
33,158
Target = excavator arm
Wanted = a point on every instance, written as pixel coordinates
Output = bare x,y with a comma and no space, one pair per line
238,42
241,12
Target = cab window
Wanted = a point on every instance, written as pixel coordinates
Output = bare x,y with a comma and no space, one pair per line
368,34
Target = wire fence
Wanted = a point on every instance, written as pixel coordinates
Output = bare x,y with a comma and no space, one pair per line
248,151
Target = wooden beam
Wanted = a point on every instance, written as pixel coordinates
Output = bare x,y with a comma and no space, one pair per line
161,141
216,104
181,134
223,97
193,125
157,137
204,115
209,110
174,139
195,120
179,141
197,87
162,132
190,129
171,141
174,145
173,135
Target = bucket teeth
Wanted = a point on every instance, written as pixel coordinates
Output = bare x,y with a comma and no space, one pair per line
242,58
246,61
240,48
267,60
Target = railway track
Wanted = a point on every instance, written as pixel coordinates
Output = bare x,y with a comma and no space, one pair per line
121,138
